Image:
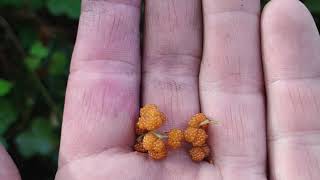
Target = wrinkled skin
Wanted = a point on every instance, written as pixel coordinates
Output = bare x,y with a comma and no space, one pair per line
269,99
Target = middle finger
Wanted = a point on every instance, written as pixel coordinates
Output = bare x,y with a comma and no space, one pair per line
172,51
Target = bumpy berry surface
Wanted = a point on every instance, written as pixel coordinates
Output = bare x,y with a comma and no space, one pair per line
152,143
139,147
195,136
158,146
196,120
157,155
150,118
148,141
198,153
175,138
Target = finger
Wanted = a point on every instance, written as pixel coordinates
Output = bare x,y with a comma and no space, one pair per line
172,51
292,69
231,87
102,98
8,170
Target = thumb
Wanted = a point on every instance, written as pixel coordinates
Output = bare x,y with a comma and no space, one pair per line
8,169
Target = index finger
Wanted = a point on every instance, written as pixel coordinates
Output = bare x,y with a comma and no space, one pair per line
103,89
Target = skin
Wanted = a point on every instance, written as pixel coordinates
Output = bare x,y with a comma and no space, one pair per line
258,75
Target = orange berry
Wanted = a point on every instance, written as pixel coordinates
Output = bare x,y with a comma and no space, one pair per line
195,136
157,155
152,143
150,118
175,138
198,153
139,147
148,141
196,120
158,146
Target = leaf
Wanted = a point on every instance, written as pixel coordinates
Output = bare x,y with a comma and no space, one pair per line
58,63
71,8
33,62
37,53
38,50
5,87
39,139
8,115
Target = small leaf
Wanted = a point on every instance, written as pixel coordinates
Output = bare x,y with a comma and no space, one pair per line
33,63
8,115
58,63
71,8
38,50
5,87
39,139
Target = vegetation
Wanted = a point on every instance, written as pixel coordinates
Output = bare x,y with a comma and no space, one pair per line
36,43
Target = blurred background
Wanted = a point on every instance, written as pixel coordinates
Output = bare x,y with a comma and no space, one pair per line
36,42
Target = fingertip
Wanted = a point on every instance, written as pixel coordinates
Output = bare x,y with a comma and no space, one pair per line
289,13
290,40
287,18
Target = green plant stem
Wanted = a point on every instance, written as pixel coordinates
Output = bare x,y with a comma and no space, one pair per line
209,121
159,135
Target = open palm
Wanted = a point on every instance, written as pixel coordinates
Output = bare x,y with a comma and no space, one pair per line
195,58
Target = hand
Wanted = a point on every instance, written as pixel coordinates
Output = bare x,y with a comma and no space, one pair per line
225,78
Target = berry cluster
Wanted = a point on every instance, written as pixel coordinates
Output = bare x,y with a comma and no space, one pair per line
156,144
196,135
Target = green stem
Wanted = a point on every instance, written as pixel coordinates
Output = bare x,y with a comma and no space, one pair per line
208,121
159,135
139,139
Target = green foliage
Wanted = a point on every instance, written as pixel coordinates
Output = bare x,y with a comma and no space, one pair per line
36,4
313,5
38,50
71,8
8,115
37,53
38,63
58,64
5,87
39,139
15,3
27,35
